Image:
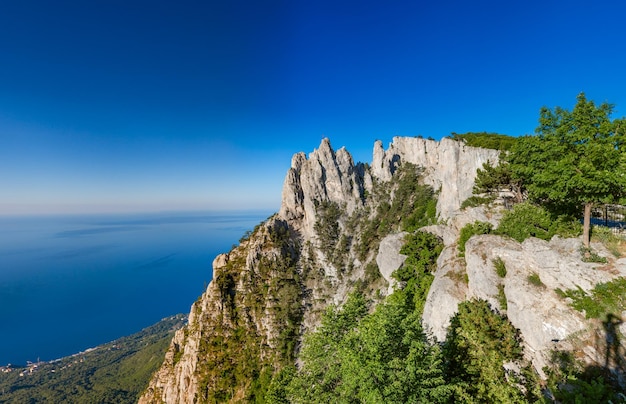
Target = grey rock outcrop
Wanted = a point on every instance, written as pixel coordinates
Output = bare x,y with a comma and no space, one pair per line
325,272
534,270
389,258
449,166
325,176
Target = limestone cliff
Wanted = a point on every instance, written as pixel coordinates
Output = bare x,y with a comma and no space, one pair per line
449,166
338,228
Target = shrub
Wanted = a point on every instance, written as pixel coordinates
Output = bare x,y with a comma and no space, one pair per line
422,250
500,267
502,298
528,220
588,255
470,230
478,342
476,200
535,280
604,298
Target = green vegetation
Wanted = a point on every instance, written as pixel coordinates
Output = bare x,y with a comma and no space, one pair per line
116,372
327,226
603,299
588,255
529,220
479,342
535,280
502,298
422,250
485,140
274,288
570,382
378,357
574,161
500,267
476,200
472,229
493,179
413,206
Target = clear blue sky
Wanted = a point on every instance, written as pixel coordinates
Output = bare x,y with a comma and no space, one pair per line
135,106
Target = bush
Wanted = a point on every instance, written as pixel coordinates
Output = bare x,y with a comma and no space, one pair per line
604,298
500,267
527,220
534,279
486,140
470,230
476,200
478,342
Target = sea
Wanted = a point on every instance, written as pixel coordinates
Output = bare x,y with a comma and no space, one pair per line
72,282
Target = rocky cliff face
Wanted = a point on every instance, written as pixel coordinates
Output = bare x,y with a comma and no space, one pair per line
326,240
449,166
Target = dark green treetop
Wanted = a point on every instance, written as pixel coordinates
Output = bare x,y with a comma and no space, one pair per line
575,160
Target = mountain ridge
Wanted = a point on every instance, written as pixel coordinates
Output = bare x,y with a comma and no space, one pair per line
330,236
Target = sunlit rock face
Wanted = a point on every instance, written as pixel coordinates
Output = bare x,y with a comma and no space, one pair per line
326,176
449,166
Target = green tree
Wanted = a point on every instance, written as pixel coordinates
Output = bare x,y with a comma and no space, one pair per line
574,161
479,342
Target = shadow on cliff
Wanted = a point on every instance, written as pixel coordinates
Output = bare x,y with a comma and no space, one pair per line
604,381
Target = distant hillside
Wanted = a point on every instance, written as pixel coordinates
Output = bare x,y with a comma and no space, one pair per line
116,372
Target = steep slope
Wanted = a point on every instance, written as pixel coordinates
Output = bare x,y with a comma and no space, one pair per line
339,229
322,244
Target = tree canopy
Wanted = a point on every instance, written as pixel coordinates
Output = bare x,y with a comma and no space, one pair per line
574,160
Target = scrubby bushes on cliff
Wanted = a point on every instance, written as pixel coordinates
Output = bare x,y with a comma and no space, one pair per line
486,140
382,357
472,229
412,206
479,341
529,220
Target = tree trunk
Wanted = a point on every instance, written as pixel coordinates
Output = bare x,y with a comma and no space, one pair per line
587,224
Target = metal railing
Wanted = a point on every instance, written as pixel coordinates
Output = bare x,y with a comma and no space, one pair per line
611,216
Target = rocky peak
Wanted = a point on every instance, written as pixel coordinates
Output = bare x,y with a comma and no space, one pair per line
326,176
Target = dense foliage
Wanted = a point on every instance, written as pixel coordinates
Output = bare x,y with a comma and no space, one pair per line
237,360
470,230
575,160
384,356
413,206
116,372
604,299
479,341
485,140
530,220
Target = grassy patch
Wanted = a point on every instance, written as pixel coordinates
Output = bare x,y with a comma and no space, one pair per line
502,297
588,255
500,267
535,280
604,298
527,220
615,244
472,229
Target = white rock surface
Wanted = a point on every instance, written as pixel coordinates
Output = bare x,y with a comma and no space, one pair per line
389,258
449,166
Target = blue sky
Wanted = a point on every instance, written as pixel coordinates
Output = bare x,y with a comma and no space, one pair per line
110,106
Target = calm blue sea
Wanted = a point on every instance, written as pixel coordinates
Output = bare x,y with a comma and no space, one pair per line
68,283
